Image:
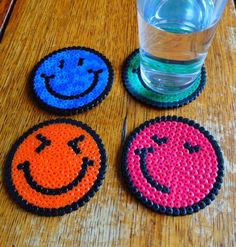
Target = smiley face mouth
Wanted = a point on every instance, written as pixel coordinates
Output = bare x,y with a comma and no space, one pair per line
48,78
142,153
25,167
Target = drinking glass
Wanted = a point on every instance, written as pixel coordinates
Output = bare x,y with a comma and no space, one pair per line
174,37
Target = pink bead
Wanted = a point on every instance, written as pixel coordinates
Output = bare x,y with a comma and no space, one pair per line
190,177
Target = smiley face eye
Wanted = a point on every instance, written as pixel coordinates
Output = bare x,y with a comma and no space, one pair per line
159,141
81,62
192,149
44,144
62,63
74,144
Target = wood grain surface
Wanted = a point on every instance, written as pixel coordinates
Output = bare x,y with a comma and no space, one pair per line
113,217
6,6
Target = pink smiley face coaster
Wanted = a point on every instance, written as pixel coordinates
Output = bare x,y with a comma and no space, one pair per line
173,165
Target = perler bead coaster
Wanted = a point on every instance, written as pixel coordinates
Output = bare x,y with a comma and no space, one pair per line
173,165
71,80
55,167
135,86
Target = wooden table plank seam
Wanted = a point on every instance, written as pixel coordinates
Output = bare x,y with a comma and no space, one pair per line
7,7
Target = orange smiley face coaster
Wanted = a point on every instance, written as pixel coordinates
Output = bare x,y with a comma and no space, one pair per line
55,167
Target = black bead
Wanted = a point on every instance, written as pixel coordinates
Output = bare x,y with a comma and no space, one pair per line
196,208
156,207
207,201
211,196
162,209
169,211
219,179
190,210
183,211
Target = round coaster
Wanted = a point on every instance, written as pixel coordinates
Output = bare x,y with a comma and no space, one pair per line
71,80
55,167
173,165
135,86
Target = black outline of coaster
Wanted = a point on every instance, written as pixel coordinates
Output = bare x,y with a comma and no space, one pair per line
69,208
161,105
67,112
167,210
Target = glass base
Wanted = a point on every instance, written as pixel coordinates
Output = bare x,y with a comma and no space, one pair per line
167,84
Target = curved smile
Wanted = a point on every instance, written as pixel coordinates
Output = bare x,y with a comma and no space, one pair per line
142,153
65,97
48,191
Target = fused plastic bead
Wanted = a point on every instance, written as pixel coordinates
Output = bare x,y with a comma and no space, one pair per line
49,176
71,80
134,84
172,163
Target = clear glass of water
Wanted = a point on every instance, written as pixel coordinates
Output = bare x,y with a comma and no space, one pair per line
174,37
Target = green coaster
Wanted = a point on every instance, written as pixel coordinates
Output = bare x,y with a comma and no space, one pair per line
136,87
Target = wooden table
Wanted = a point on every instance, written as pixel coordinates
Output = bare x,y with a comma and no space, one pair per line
113,217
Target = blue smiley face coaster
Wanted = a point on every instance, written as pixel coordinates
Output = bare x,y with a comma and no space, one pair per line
71,80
